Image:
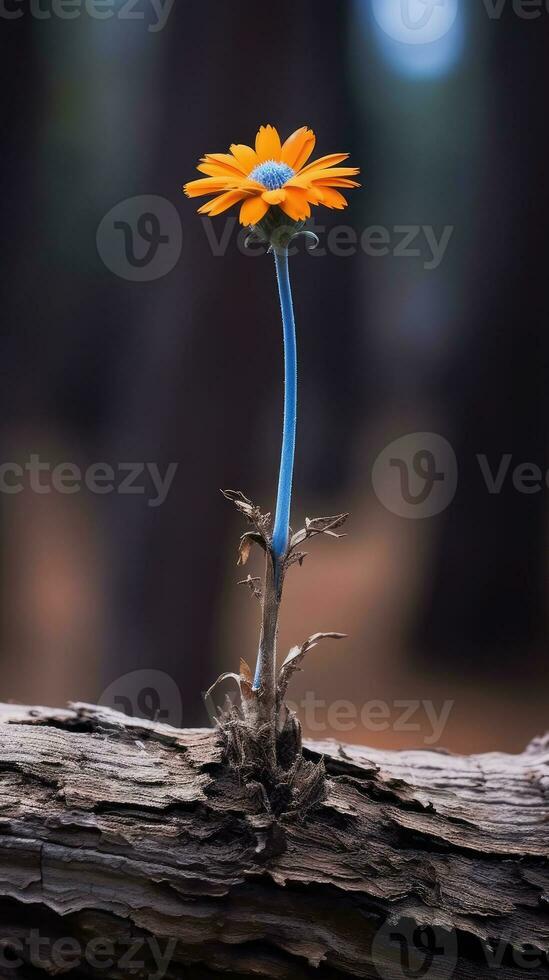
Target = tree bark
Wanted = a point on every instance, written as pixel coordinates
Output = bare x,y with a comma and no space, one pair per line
134,846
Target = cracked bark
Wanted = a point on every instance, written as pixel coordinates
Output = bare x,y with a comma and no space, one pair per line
130,831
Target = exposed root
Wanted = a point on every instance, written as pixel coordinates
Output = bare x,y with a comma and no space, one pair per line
291,786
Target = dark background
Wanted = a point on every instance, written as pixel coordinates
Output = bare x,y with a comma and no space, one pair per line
187,367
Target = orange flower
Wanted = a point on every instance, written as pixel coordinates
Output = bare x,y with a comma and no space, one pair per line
272,175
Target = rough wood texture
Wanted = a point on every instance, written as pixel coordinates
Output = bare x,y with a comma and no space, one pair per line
417,864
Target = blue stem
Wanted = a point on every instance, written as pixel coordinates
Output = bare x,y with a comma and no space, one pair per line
284,497
265,669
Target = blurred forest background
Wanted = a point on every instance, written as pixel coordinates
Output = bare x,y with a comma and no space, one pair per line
449,613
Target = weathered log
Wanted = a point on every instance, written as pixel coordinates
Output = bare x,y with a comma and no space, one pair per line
129,848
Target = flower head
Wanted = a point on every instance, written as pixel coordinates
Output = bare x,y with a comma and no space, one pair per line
273,177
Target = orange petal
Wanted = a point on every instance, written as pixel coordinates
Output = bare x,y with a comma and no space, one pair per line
335,182
246,157
298,147
327,161
315,195
251,185
206,185
314,175
253,210
225,160
307,183
267,144
304,183
274,197
221,203
218,170
333,199
296,205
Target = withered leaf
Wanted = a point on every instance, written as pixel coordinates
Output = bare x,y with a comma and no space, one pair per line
245,546
238,498
296,557
260,521
223,677
244,681
296,655
251,582
246,690
319,525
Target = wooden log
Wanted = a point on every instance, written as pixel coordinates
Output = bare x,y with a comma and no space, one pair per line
129,848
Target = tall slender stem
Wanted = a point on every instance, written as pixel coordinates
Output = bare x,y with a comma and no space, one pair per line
285,479
265,673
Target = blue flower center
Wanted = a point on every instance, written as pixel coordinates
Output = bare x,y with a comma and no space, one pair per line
272,174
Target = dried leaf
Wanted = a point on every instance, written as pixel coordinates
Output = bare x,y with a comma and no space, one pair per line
261,522
245,546
296,557
244,681
222,677
246,690
239,500
318,525
296,655
253,586
244,549
298,537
